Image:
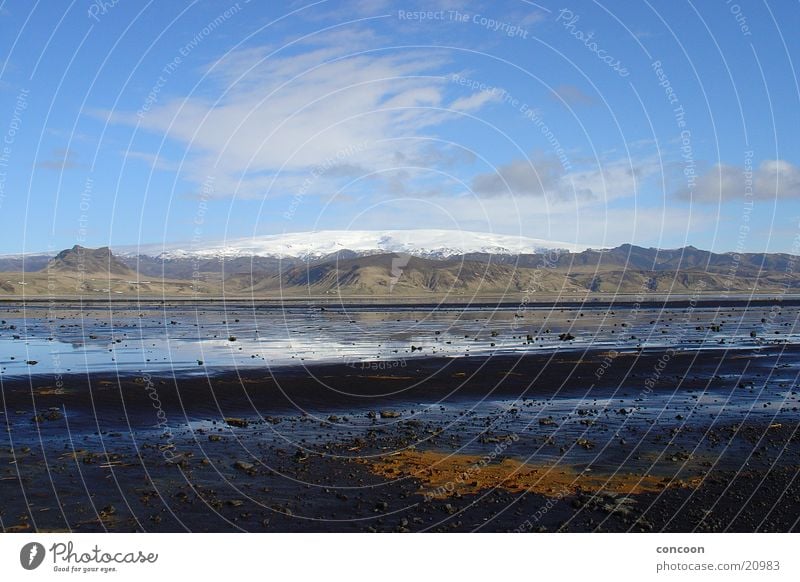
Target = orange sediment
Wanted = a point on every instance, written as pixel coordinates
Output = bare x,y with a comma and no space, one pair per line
444,474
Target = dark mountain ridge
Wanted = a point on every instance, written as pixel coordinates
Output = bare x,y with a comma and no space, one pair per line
95,261
624,269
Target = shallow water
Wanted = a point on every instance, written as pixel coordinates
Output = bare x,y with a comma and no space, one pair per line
198,340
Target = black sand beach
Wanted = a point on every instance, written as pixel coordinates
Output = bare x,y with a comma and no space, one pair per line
628,437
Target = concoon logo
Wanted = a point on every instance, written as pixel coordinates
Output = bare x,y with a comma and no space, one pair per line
31,555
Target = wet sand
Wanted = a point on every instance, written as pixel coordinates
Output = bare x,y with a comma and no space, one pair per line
650,439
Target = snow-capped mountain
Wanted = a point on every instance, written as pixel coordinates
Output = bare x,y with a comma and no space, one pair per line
311,245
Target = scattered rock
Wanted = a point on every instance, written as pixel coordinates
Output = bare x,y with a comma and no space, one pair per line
244,467
53,414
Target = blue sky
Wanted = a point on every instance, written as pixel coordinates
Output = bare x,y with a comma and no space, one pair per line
658,123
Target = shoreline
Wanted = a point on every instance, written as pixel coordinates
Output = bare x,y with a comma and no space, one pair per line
520,301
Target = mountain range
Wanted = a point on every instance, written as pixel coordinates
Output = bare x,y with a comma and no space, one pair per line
419,263
319,244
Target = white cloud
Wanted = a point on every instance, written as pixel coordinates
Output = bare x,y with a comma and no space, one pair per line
772,179
475,101
547,178
289,110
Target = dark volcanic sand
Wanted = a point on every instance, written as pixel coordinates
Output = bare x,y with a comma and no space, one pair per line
706,440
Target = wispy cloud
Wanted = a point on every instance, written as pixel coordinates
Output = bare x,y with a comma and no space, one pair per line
289,110
572,95
61,159
155,161
475,101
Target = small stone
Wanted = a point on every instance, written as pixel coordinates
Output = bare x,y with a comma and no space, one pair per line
244,466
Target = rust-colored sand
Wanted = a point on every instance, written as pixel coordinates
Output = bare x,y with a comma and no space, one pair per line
445,474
